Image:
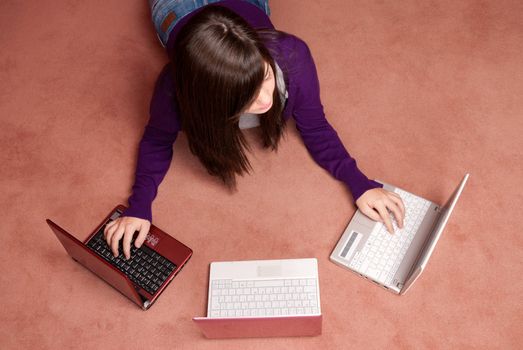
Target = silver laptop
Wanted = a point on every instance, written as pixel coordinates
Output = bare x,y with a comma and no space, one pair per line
263,298
395,261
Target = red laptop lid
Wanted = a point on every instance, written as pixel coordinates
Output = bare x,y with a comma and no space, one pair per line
78,251
259,327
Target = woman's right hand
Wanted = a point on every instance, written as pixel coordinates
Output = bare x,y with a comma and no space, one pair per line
376,203
125,227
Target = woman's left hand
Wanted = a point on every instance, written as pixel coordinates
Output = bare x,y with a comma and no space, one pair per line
376,204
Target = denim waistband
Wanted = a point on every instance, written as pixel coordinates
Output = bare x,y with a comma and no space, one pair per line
166,13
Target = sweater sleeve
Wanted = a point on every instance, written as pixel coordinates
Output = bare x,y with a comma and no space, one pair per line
319,137
155,149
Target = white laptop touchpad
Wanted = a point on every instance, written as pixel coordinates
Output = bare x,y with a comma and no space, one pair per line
269,271
288,268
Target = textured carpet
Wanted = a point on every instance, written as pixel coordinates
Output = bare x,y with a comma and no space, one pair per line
419,91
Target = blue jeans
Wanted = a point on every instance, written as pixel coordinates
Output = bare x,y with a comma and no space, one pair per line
166,13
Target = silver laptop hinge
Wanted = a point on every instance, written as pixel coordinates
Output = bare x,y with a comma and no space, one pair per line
398,283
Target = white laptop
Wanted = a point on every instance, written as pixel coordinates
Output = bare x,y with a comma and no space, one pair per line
395,261
262,298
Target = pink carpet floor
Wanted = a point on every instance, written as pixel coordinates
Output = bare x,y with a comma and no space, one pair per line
420,92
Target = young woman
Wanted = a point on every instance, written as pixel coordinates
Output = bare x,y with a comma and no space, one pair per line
230,69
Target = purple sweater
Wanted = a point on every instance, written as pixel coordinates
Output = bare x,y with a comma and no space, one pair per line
303,104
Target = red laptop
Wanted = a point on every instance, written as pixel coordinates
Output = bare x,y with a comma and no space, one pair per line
144,276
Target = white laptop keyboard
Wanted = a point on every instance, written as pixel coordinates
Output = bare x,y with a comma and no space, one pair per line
264,298
383,252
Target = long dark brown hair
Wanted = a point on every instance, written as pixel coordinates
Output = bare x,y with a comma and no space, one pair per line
219,67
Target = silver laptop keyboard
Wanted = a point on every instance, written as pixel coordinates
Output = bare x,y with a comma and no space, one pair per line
277,297
383,252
